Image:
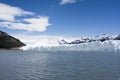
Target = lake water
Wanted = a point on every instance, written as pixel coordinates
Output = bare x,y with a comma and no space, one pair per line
36,65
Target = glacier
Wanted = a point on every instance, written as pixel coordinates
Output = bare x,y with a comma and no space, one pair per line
58,45
102,42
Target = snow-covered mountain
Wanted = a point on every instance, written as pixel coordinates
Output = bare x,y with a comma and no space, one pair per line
102,42
101,38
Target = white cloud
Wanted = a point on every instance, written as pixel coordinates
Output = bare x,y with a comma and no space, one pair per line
67,1
8,16
9,13
39,24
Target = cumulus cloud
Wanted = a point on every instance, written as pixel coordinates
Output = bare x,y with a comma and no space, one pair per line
8,16
67,1
30,24
9,13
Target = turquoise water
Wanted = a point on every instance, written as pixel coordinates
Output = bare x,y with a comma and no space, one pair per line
35,65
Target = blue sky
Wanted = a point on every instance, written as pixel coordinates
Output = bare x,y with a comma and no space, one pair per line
61,17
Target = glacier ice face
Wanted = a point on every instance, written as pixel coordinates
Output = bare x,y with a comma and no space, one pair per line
55,45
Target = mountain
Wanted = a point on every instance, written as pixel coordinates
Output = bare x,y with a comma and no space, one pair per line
9,42
101,38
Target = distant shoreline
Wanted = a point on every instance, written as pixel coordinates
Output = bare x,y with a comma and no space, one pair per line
10,49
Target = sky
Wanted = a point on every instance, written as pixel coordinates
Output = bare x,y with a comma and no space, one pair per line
72,18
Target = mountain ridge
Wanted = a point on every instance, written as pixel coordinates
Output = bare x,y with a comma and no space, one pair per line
101,38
